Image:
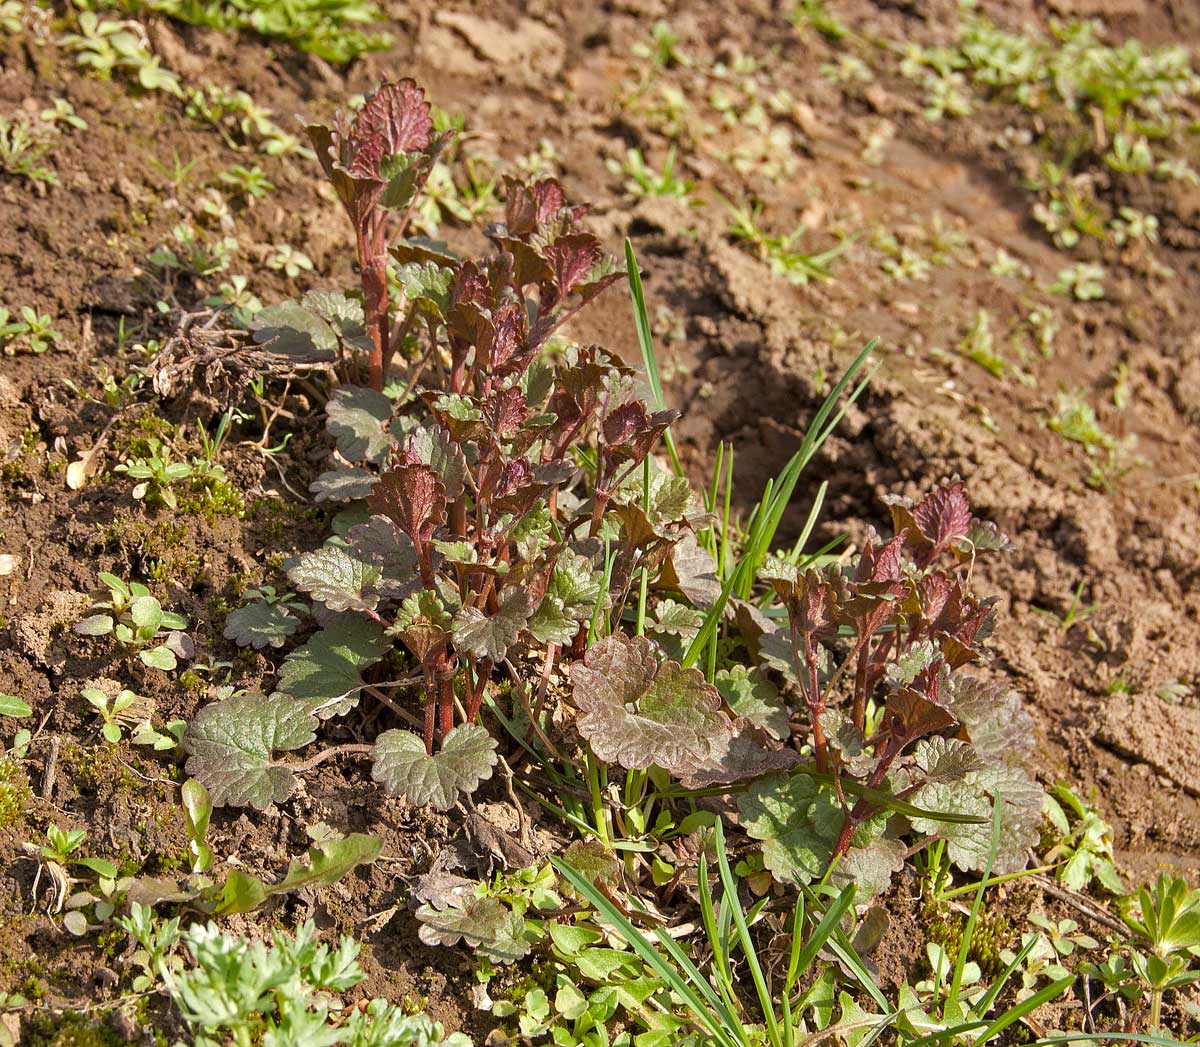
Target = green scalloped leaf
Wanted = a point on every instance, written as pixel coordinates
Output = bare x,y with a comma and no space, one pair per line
231,747
491,636
357,418
332,576
403,768
487,925
750,694
433,447
326,672
260,624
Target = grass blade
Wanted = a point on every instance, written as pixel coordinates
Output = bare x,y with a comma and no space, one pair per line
646,342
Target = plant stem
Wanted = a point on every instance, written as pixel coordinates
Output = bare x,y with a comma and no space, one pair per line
328,754
599,814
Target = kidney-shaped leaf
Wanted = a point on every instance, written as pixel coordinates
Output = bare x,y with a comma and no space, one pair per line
260,624
403,768
326,671
357,419
638,713
335,578
231,747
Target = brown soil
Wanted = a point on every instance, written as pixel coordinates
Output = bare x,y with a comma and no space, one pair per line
754,361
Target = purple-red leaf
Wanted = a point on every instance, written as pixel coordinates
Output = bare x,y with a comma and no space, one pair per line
572,259
413,498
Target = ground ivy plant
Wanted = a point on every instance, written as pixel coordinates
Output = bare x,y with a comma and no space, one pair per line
878,653
480,503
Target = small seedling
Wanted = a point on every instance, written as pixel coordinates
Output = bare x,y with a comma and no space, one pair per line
195,252
135,619
643,180
109,708
779,252
155,474
63,112
35,329
1083,282
1083,851
249,182
23,147
288,260
662,49
1076,613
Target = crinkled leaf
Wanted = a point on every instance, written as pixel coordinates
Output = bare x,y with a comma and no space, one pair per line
328,862
342,485
394,120
490,636
231,746
531,534
909,665
572,259
993,717
413,498
332,576
985,536
944,515
260,624
403,768
326,672
676,619
432,446
427,283
343,314
871,868
382,543
487,925
844,737
946,759
291,330
551,623
747,753
463,552
639,713
750,694
575,582
797,822
357,419
969,844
